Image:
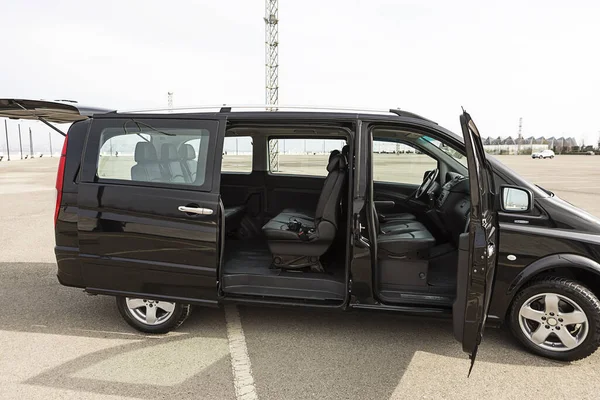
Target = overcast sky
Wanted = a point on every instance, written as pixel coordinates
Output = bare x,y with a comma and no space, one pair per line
537,59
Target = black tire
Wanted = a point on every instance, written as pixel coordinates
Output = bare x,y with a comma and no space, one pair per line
180,314
573,290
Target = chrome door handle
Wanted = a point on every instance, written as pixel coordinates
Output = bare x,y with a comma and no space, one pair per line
195,210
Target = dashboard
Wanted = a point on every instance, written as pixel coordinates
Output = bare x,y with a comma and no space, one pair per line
453,203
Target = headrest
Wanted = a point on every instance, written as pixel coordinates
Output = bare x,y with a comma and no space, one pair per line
145,152
336,161
333,153
346,151
168,152
187,152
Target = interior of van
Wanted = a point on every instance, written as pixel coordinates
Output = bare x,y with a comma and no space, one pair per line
287,221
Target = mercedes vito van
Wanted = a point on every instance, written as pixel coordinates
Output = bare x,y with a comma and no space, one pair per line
322,208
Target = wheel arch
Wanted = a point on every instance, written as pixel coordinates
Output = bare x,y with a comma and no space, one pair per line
573,266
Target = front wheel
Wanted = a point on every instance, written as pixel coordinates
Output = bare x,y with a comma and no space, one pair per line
152,316
557,318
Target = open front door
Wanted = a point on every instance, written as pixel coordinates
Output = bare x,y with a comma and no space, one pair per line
477,248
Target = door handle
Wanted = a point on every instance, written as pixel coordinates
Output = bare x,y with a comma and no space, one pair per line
195,210
491,249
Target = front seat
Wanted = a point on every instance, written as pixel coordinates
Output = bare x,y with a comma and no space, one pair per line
402,238
146,168
297,241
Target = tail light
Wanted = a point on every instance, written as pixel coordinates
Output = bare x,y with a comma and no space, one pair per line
60,177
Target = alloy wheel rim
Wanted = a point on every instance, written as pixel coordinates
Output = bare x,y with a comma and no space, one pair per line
150,312
553,322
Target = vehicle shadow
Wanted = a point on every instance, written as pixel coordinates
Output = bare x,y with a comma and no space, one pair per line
365,354
294,352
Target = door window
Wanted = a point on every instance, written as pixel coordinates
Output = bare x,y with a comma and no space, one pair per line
302,156
237,154
400,163
169,152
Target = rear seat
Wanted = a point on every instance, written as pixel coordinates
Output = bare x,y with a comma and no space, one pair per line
147,168
187,156
292,214
171,164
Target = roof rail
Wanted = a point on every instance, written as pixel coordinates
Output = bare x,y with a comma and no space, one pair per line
408,114
259,107
227,108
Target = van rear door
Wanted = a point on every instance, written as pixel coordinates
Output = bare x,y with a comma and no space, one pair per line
149,207
58,111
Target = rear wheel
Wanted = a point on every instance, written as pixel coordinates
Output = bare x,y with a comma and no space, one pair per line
152,316
557,318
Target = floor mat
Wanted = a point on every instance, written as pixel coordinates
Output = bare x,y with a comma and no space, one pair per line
253,257
248,257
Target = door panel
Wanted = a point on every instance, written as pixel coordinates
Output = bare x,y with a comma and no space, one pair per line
244,189
291,191
402,194
132,235
477,276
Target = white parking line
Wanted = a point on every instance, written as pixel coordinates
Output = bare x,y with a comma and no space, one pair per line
240,362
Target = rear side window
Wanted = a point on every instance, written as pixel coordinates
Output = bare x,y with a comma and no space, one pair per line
302,156
170,152
237,154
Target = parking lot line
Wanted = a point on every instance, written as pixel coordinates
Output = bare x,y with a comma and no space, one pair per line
240,361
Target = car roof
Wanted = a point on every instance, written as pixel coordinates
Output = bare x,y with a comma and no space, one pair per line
269,113
269,109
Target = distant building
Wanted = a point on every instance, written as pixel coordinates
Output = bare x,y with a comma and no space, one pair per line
509,145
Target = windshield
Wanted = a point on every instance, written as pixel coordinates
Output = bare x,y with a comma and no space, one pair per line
446,149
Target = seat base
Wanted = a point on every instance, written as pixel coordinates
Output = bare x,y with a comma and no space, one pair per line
385,218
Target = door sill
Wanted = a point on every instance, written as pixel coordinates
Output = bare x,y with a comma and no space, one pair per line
418,299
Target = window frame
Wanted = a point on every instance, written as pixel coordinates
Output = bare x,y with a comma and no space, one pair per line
91,156
252,139
346,139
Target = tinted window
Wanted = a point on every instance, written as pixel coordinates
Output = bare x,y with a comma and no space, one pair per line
399,163
302,156
237,154
167,153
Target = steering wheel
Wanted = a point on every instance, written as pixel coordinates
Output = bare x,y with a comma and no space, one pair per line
428,182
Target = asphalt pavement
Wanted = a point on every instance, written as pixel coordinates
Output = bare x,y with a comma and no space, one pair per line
59,343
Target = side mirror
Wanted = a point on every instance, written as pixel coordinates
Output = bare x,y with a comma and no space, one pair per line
516,199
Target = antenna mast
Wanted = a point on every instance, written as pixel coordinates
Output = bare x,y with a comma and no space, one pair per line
271,71
520,136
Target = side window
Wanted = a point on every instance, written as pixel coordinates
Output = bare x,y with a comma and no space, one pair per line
117,156
146,153
237,154
302,156
399,163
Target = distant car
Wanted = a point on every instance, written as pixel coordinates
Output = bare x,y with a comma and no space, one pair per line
543,154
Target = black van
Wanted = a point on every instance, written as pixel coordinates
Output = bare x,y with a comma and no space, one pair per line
317,208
